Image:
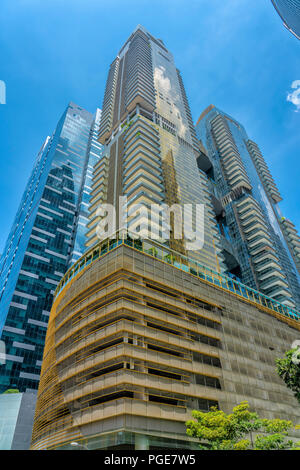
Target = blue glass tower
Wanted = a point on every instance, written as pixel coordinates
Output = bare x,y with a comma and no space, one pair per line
250,199
46,237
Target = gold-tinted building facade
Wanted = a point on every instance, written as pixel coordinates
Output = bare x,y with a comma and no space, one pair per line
140,335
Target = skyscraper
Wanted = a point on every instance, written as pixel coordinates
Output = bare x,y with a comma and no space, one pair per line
251,213
292,239
16,420
46,237
143,330
289,12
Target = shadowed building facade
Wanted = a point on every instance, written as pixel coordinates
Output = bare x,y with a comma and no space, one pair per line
150,149
16,420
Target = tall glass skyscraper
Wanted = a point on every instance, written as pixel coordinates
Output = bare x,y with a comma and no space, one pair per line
46,237
144,330
16,420
250,199
289,12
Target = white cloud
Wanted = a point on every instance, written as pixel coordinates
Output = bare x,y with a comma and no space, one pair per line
163,82
294,97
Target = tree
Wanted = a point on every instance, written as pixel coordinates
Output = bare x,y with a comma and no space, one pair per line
288,368
275,439
217,430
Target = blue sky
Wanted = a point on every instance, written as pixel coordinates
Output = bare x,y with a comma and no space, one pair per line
235,54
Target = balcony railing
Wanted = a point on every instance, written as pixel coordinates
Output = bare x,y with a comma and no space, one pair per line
184,263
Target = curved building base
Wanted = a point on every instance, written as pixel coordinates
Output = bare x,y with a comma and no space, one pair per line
136,341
